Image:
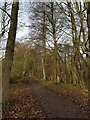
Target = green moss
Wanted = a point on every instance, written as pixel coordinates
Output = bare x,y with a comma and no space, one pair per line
0,105
5,104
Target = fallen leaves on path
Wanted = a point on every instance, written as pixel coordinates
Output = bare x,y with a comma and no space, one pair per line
24,103
81,98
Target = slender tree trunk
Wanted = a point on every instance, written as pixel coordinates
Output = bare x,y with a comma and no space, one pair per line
80,13
44,44
10,50
88,24
75,43
0,84
43,67
2,20
24,64
55,43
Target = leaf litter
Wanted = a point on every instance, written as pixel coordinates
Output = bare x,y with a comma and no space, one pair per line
24,103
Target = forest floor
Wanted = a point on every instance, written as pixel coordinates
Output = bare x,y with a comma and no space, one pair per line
77,95
37,100
23,103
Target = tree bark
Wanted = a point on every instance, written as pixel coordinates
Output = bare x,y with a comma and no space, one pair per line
55,42
44,44
9,54
88,24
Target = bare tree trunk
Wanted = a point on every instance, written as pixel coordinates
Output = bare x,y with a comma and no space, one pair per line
24,64
80,13
75,43
2,20
44,44
55,43
10,50
43,67
88,24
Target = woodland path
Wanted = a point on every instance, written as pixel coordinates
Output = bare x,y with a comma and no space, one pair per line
55,106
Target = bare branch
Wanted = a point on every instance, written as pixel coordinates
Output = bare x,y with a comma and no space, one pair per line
6,12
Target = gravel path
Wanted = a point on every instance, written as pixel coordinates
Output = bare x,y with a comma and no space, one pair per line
56,106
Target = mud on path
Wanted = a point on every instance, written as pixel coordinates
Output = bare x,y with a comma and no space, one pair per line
56,106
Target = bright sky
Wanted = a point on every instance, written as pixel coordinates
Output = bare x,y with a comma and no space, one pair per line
22,31
23,20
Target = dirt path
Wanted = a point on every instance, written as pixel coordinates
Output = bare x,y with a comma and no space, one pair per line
56,106
24,105
32,100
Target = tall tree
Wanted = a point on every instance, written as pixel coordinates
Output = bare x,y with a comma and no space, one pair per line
4,18
7,64
39,31
53,21
88,24
44,42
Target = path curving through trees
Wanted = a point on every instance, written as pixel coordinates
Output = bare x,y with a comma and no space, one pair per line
56,106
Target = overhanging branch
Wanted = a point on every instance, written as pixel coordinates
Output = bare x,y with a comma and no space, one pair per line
5,12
